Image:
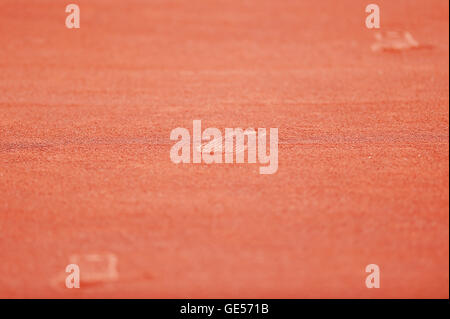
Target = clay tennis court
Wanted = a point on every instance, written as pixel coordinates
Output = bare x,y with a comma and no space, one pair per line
85,174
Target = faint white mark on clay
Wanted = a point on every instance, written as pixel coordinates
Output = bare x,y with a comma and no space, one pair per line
394,41
96,268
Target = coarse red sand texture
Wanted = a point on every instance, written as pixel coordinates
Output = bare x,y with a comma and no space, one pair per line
85,119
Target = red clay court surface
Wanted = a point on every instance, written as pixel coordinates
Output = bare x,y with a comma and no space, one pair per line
85,120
